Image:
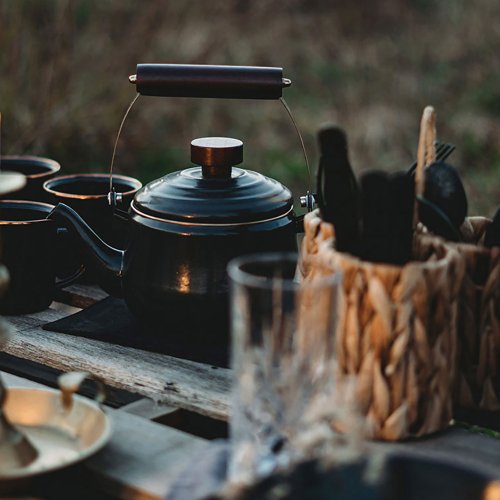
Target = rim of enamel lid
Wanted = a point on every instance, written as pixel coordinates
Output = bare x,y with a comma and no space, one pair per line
216,192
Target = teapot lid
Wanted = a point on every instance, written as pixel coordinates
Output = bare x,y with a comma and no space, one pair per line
215,191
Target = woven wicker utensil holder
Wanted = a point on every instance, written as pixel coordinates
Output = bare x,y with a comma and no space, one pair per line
396,331
478,385
478,321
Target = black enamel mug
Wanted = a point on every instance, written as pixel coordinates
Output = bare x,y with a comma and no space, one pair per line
37,170
88,195
29,245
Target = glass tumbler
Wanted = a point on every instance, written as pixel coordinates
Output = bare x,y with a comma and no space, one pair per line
283,360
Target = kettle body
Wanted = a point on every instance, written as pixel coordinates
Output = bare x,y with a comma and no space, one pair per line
169,271
184,228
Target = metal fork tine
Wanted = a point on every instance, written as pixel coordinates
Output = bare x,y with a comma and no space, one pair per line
449,150
443,150
439,147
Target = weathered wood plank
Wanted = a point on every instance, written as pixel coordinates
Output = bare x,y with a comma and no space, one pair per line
25,368
81,296
172,381
147,408
142,458
31,320
64,308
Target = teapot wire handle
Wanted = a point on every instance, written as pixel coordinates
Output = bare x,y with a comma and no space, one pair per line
186,80
115,198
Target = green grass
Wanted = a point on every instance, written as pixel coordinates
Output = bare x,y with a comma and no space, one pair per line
487,95
478,429
369,68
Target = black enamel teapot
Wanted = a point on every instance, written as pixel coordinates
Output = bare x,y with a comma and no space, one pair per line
186,226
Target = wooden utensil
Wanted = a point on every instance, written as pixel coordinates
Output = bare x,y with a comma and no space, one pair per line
440,202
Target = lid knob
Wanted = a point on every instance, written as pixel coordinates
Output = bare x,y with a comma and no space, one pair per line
216,155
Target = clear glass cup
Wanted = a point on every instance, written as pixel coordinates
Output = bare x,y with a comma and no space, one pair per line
283,360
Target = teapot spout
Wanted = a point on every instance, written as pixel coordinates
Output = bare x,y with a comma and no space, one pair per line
106,261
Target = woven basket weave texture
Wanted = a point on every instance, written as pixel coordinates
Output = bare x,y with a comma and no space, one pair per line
396,331
478,384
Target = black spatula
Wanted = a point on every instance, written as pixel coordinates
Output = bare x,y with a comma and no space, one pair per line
338,191
376,217
402,188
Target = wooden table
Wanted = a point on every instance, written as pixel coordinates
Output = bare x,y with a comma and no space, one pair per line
167,408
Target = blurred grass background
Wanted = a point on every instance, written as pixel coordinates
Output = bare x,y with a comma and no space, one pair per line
368,66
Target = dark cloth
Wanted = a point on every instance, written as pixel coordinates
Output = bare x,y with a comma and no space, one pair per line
111,321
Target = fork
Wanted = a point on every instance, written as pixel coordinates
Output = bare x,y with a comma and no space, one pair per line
443,150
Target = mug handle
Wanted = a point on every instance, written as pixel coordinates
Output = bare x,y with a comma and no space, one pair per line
64,282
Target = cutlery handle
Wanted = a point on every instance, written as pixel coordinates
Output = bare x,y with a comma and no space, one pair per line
425,155
492,234
226,82
376,216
